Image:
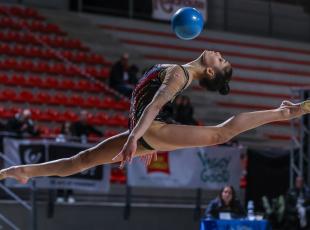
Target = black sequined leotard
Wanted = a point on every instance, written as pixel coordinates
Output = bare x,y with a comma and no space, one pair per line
143,95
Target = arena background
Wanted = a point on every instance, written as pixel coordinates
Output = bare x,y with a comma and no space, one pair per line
55,60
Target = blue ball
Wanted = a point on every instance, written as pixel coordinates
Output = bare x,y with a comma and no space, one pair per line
187,23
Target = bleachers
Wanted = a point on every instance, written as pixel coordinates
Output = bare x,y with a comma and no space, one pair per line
56,76
265,70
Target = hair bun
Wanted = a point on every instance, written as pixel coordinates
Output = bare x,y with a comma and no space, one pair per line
225,89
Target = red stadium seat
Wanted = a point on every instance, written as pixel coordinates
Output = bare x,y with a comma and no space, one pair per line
73,70
76,100
44,131
22,24
25,97
59,99
47,39
118,120
34,81
18,50
26,38
80,57
102,118
42,98
49,115
49,54
59,42
58,68
67,84
104,73
6,22
124,104
51,83
26,65
17,11
5,113
36,114
4,79
56,130
15,110
107,103
92,71
42,67
33,51
70,116
92,101
96,87
37,26
67,54
9,64
5,49
8,95
18,80
74,44
3,10
96,59
83,85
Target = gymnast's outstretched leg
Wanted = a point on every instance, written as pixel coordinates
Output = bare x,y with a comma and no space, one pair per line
170,136
99,154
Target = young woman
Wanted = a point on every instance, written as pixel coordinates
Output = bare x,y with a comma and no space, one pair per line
225,202
149,129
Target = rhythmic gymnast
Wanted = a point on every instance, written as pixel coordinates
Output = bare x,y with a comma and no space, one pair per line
149,129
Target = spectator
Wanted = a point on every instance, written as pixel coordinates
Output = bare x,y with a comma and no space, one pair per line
225,202
82,129
121,77
185,111
22,124
133,74
297,211
66,129
65,195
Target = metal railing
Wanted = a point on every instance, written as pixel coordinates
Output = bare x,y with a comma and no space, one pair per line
32,209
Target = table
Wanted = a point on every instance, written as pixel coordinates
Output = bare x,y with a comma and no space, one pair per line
237,224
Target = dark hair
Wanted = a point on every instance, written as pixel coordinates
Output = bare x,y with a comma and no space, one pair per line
226,75
233,194
220,81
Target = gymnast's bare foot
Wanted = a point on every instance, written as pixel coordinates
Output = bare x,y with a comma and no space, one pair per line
15,172
292,110
305,106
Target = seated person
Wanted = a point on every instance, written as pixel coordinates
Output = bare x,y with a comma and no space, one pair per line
297,205
22,124
225,202
82,128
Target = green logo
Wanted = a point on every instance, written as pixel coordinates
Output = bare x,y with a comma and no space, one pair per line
215,170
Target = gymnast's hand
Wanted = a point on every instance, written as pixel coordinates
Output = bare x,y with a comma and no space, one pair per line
128,151
147,159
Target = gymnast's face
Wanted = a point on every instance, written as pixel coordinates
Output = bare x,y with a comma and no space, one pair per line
214,60
217,72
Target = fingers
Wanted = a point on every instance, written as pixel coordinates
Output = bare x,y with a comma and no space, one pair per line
287,103
126,158
149,160
155,156
117,156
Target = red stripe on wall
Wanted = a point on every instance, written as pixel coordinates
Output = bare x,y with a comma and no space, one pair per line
240,66
207,39
228,53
